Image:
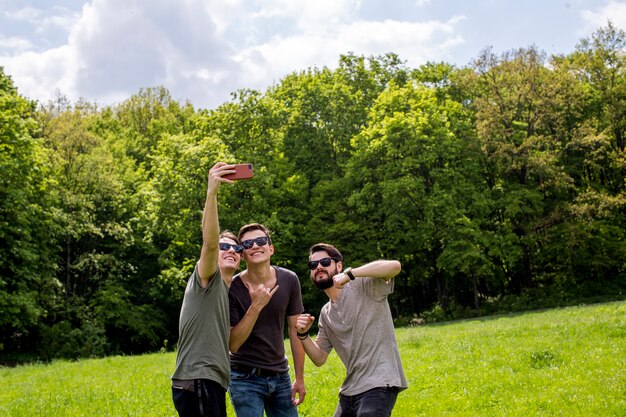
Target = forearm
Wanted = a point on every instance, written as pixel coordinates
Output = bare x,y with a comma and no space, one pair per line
313,351
378,269
298,354
241,331
210,237
210,222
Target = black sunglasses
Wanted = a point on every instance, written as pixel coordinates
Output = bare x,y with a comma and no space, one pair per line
260,241
324,261
227,246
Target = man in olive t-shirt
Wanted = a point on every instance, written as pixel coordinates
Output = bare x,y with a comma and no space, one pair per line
201,377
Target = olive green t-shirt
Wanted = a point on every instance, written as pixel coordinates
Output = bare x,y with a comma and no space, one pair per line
204,330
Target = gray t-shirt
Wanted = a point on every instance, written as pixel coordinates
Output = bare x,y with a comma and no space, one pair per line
360,328
265,347
204,331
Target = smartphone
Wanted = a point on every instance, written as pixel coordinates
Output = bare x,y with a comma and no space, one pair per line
242,172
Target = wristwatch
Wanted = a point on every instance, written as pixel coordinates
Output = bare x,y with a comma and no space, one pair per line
349,273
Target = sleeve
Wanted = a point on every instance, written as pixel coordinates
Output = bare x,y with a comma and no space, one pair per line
322,340
376,288
295,305
193,284
235,304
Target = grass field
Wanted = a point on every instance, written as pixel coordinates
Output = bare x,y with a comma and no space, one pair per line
562,362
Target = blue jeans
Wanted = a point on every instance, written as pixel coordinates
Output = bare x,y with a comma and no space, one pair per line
377,402
251,394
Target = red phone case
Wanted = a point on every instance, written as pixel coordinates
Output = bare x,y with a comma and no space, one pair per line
242,172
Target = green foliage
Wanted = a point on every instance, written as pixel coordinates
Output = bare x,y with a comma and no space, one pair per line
499,186
27,284
61,340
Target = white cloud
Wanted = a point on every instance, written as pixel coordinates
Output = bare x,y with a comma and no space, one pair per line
310,15
203,50
42,75
416,43
15,43
26,14
614,11
225,13
62,18
117,47
57,22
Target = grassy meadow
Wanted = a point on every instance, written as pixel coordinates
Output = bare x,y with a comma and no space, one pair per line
561,362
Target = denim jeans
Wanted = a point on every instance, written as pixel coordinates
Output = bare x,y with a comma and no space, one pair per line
377,402
251,394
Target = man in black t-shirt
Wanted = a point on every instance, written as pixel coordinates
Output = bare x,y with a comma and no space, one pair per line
261,298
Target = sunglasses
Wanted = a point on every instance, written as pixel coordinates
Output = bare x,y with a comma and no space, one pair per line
260,241
324,261
228,246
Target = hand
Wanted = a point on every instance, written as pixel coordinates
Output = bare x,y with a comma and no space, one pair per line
298,392
340,280
216,174
260,295
304,322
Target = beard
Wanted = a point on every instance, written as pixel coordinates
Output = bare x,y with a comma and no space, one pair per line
325,282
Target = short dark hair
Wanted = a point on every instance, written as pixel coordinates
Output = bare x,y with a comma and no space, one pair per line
227,234
254,226
332,251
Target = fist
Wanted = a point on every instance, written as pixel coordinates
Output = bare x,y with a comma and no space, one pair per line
304,322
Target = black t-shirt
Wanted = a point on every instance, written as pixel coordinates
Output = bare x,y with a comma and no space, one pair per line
265,346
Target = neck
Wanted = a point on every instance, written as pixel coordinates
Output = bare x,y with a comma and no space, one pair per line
332,293
258,273
227,275
228,278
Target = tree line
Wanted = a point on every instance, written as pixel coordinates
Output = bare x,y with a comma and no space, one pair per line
498,185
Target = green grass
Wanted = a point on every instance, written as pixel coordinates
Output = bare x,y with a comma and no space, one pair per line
562,362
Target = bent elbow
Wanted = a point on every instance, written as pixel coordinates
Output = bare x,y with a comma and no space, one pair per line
396,267
319,362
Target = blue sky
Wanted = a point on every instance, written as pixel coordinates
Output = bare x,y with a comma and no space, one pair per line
202,50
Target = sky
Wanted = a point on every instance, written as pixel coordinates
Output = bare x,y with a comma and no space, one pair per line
104,51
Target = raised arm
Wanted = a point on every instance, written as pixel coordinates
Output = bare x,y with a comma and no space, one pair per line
384,269
207,265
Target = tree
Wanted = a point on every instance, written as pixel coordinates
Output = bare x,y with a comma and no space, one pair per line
27,255
410,185
516,104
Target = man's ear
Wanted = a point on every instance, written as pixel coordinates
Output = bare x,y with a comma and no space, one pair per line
339,266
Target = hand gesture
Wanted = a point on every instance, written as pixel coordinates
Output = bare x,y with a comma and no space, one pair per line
304,323
260,295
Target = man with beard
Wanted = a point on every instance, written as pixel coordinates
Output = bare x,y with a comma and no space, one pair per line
202,370
357,323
